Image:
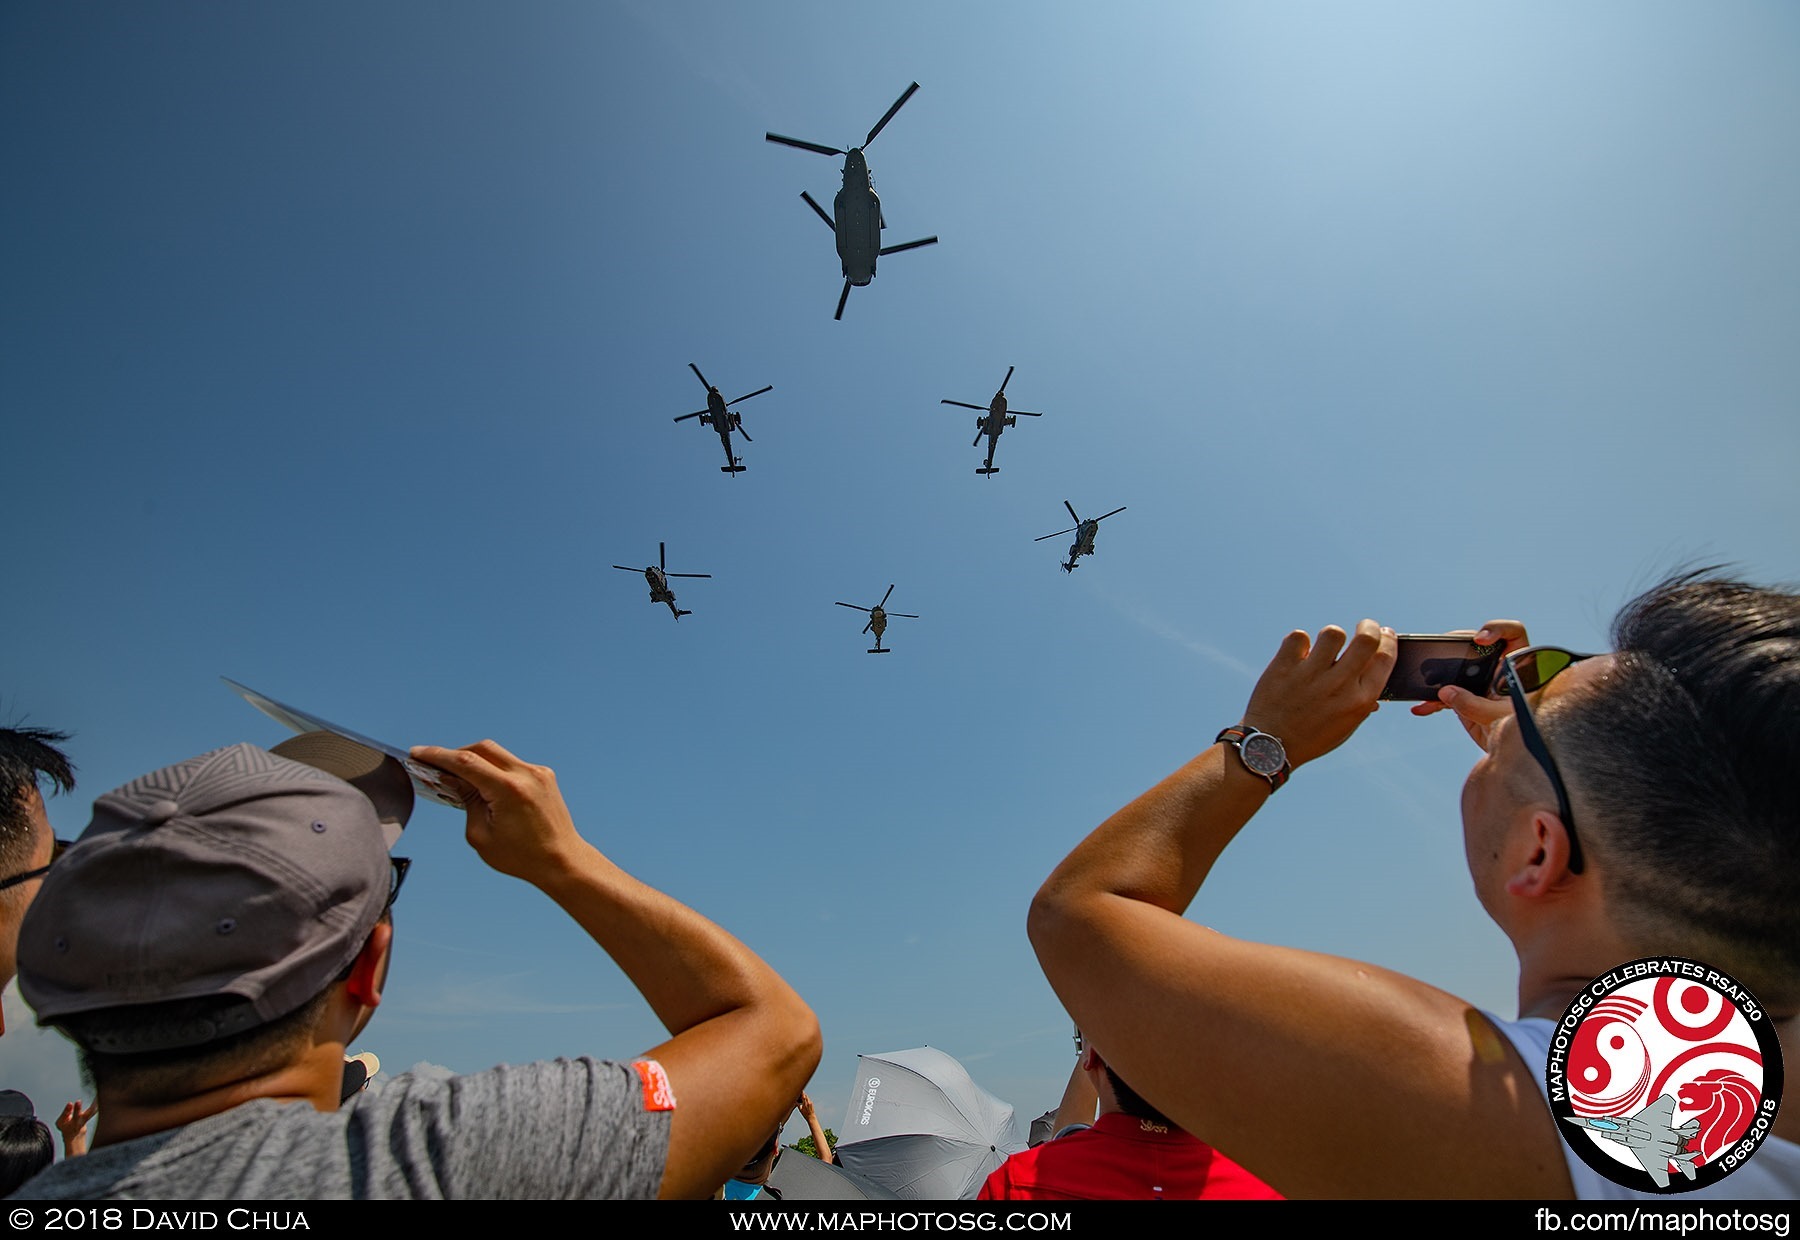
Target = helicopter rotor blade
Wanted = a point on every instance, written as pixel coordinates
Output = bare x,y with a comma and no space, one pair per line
910,245
977,440
882,123
884,598
1058,533
820,211
1071,508
697,414
687,574
662,557
853,606
744,433
699,376
758,392
903,615
1024,413
1006,380
1103,517
805,146
844,297
963,404
623,569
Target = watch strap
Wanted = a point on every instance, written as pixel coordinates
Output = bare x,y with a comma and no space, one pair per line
1237,734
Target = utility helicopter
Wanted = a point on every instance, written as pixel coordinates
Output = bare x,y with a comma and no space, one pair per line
1084,532
878,618
720,415
995,418
658,575
857,208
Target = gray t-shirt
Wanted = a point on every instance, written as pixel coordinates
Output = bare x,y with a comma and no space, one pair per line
568,1128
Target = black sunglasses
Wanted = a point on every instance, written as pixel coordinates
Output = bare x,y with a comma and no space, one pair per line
56,851
1527,671
396,879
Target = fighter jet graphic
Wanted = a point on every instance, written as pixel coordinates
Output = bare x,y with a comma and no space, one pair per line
1650,1138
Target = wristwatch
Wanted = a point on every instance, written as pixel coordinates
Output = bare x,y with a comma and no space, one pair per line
1261,752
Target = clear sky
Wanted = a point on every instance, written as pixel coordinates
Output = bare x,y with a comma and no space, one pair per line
340,346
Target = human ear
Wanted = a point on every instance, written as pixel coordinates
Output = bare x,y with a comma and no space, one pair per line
369,971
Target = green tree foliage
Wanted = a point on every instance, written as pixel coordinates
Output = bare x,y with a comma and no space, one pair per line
806,1145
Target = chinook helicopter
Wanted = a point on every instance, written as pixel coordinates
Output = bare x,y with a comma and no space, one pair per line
878,618
857,208
994,419
1084,532
658,575
719,415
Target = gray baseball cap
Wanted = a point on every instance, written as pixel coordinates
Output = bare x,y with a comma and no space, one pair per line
244,875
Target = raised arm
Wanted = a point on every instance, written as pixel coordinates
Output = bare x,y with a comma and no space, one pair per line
1326,1077
743,1043
811,1116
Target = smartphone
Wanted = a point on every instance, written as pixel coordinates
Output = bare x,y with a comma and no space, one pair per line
1429,661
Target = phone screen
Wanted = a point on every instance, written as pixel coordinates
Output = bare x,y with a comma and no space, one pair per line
1429,661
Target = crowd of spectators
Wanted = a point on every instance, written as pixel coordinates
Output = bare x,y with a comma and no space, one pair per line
220,934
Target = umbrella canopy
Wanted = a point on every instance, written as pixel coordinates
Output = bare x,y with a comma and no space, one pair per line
801,1177
918,1126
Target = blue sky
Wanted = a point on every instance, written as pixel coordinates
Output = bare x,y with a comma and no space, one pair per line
340,346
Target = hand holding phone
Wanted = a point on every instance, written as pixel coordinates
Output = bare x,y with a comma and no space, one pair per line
1427,662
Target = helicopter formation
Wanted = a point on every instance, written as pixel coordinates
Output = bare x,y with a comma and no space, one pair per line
857,223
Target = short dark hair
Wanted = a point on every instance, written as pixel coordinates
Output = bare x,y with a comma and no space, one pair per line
25,754
25,1150
1133,1104
151,1078
1684,758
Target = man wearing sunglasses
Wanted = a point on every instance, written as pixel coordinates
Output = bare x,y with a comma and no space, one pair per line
1631,804
221,932
27,757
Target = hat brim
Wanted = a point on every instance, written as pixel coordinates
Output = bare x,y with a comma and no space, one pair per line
374,774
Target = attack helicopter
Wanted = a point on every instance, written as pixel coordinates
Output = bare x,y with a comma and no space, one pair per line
719,415
878,618
995,418
857,208
658,575
1084,532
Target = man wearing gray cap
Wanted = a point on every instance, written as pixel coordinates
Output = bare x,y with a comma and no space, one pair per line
221,931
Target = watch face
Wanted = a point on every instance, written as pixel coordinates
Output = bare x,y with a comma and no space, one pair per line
1263,754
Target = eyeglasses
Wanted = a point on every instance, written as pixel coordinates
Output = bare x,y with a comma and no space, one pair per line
396,879
1527,671
56,851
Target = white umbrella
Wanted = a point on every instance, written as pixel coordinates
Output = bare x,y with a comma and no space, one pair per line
918,1126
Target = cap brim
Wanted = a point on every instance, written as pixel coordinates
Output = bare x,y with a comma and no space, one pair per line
374,774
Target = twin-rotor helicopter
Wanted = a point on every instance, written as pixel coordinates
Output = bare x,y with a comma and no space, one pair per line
856,211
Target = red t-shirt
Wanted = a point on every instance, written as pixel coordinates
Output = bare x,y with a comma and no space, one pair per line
1123,1158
